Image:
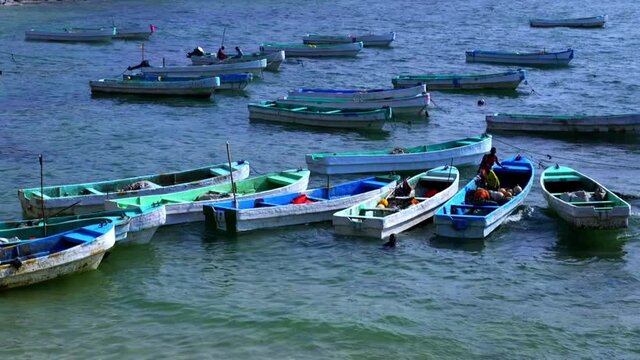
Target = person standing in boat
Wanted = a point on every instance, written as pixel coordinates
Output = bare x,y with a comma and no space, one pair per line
221,55
485,172
239,53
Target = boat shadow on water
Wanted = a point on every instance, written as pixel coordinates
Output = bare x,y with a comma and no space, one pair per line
587,244
364,134
468,245
131,99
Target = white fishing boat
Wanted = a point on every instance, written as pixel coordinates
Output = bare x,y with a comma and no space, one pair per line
585,22
38,260
369,39
255,67
389,213
358,94
463,218
134,32
331,118
72,35
406,106
508,80
186,206
302,50
304,207
463,151
537,58
582,201
157,85
274,59
627,123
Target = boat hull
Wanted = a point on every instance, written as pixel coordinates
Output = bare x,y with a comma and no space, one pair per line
410,106
367,39
500,81
589,22
274,60
629,123
255,67
89,35
295,50
359,94
542,58
198,87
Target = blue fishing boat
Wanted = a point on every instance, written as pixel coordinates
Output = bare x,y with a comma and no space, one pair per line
46,258
234,81
304,207
464,217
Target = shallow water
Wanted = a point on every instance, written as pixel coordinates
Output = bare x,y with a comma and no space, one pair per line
535,288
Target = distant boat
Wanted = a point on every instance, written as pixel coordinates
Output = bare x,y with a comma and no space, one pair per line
255,67
157,85
463,219
582,201
72,35
235,81
621,124
508,80
320,117
538,58
586,22
303,207
186,206
358,94
134,32
46,258
274,60
302,50
407,106
367,39
457,152
372,218
85,198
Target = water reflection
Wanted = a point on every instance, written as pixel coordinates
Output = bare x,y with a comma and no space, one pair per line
259,125
585,244
469,245
132,99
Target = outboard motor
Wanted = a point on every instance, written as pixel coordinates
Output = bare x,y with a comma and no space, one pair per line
144,63
196,52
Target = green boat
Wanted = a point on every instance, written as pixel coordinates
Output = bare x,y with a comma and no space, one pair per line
86,198
508,80
14,232
186,206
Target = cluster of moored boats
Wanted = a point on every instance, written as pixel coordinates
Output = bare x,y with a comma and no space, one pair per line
69,228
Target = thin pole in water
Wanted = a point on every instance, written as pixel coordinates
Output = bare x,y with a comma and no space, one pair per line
223,33
142,46
44,219
233,184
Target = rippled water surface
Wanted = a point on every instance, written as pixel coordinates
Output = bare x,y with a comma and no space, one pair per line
533,289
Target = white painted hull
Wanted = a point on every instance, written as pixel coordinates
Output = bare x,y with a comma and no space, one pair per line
143,227
92,35
415,106
339,50
373,121
254,67
76,259
32,207
582,124
236,85
200,88
133,33
532,59
274,60
382,227
505,81
589,22
192,212
463,155
367,39
362,94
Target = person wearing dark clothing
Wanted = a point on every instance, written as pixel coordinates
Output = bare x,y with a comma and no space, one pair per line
391,243
221,55
239,52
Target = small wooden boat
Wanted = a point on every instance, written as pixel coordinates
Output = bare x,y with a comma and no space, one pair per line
301,50
582,201
406,106
53,256
89,197
304,207
255,67
359,94
186,206
157,85
508,80
274,60
463,218
72,35
367,39
235,81
134,32
373,218
539,58
627,123
458,152
585,22
312,116
132,226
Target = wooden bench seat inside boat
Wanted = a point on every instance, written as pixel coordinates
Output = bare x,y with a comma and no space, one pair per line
282,180
219,172
561,178
93,191
591,203
78,238
515,168
39,194
333,111
374,184
299,108
437,178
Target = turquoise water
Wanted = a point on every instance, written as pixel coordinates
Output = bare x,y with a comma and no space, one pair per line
533,289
